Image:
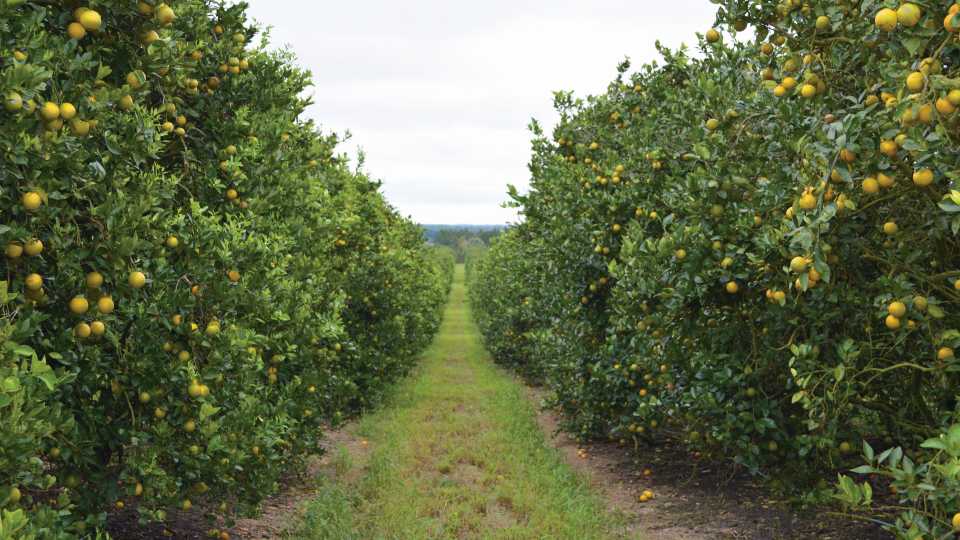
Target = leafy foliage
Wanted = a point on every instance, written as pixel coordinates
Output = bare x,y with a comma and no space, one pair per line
751,250
195,284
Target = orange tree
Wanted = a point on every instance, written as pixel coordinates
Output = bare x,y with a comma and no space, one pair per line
194,282
753,250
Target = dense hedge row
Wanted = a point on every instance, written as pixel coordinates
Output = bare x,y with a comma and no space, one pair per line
753,250
194,283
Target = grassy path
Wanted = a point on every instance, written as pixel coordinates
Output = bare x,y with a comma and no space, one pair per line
456,454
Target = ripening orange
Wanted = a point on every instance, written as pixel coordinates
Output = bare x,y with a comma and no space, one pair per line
79,305
886,20
923,177
892,322
889,148
137,280
945,106
31,200
897,309
105,305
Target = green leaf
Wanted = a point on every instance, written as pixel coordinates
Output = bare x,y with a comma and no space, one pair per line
207,410
913,44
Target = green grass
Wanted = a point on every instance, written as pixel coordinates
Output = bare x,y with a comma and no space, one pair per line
456,453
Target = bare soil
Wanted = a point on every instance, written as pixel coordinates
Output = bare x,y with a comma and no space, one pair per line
693,500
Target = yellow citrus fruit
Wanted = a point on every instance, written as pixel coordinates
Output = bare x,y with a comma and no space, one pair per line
67,111
884,180
80,128
713,124
732,287
954,97
945,107
889,148
33,282
14,250
76,31
50,111
847,156
808,90
789,83
808,201
90,20
79,305
172,242
82,330
713,35
823,23
137,280
944,353
126,103
165,14
908,14
189,426
915,82
897,309
892,322
956,521
94,280
234,275
150,36
195,389
33,247
105,305
923,177
183,356
870,185
886,20
799,264
98,328
890,228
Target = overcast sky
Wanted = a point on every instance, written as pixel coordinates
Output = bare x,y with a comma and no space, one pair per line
439,93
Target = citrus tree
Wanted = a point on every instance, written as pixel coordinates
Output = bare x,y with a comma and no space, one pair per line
752,250
195,283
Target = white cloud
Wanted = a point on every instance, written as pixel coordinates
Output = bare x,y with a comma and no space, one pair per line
438,93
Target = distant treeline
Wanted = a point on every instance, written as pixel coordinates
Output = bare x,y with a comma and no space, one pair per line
462,238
